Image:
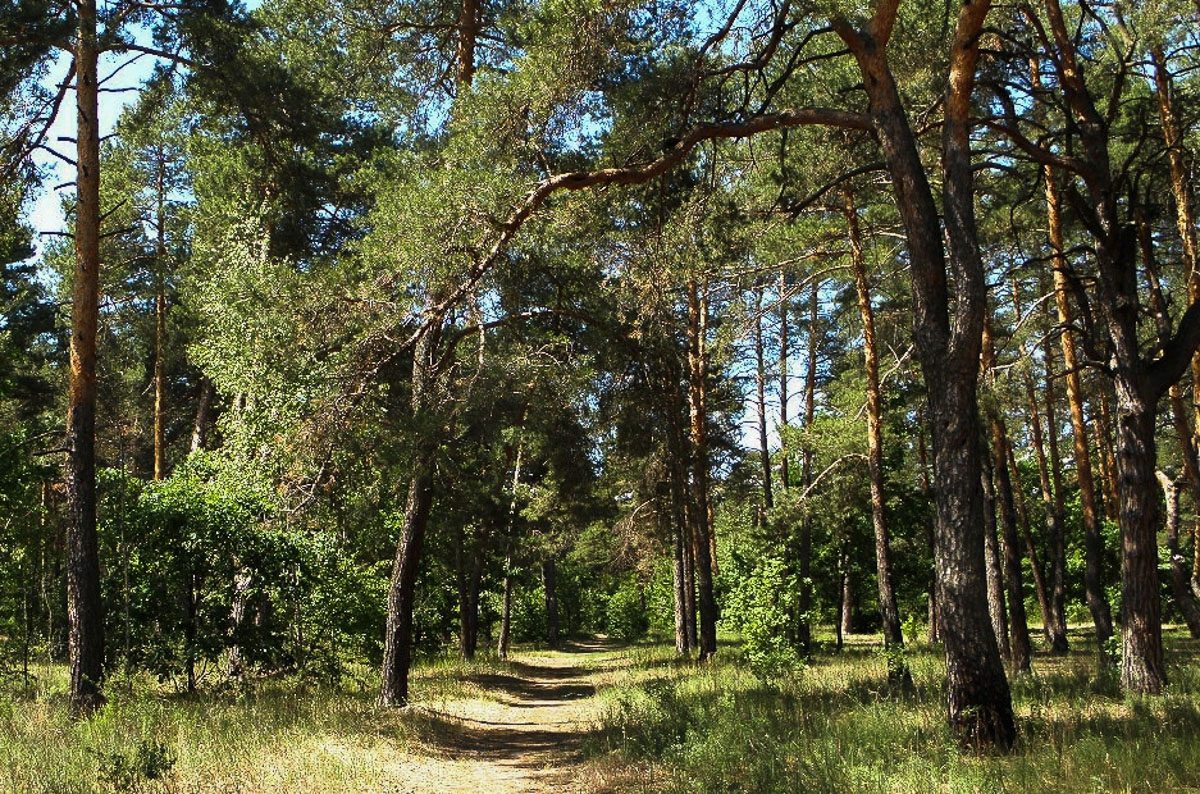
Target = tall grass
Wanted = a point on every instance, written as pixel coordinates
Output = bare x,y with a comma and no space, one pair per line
836,727
279,735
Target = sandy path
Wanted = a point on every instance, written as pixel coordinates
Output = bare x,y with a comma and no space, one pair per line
524,736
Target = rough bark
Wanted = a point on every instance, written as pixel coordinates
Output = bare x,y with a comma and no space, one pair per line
889,612
1184,599
697,397
469,23
85,619
1094,542
397,648
979,704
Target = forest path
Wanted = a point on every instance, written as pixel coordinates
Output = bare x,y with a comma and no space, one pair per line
523,734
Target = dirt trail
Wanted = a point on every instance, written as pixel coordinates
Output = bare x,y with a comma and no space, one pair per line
525,735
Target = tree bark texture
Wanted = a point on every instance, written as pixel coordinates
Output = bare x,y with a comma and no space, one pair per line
85,619
697,393
889,612
397,648
1184,599
1093,578
979,704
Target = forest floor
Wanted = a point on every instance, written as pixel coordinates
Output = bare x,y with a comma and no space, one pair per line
599,718
523,731
483,727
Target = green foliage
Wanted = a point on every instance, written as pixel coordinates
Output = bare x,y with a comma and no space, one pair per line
202,566
840,728
626,617
757,608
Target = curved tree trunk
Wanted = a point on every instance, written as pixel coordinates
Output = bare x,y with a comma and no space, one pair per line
979,703
397,646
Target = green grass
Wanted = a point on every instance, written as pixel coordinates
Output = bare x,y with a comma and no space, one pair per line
836,727
278,735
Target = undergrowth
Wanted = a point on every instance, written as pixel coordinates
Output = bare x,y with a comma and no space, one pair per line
273,735
835,726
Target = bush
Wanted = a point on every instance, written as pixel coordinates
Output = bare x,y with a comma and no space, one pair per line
755,608
626,618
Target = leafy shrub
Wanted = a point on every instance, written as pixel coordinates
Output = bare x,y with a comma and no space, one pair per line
756,609
626,617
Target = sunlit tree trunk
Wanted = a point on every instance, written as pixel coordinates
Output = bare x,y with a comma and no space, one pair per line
85,618
889,612
1094,542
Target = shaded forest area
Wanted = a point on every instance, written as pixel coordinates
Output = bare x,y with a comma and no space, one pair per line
381,330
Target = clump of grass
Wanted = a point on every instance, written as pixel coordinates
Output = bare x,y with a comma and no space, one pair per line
278,735
839,727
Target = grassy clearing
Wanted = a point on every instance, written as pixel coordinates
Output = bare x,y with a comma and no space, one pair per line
836,727
273,736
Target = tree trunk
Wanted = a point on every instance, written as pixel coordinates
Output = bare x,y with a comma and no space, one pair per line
978,698
934,631
1017,621
203,415
761,396
550,586
85,618
1058,543
397,648
846,618
1102,432
506,610
783,381
1179,573
1052,599
1093,577
674,529
697,391
1035,564
995,579
469,24
804,552
890,614
160,329
1142,667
